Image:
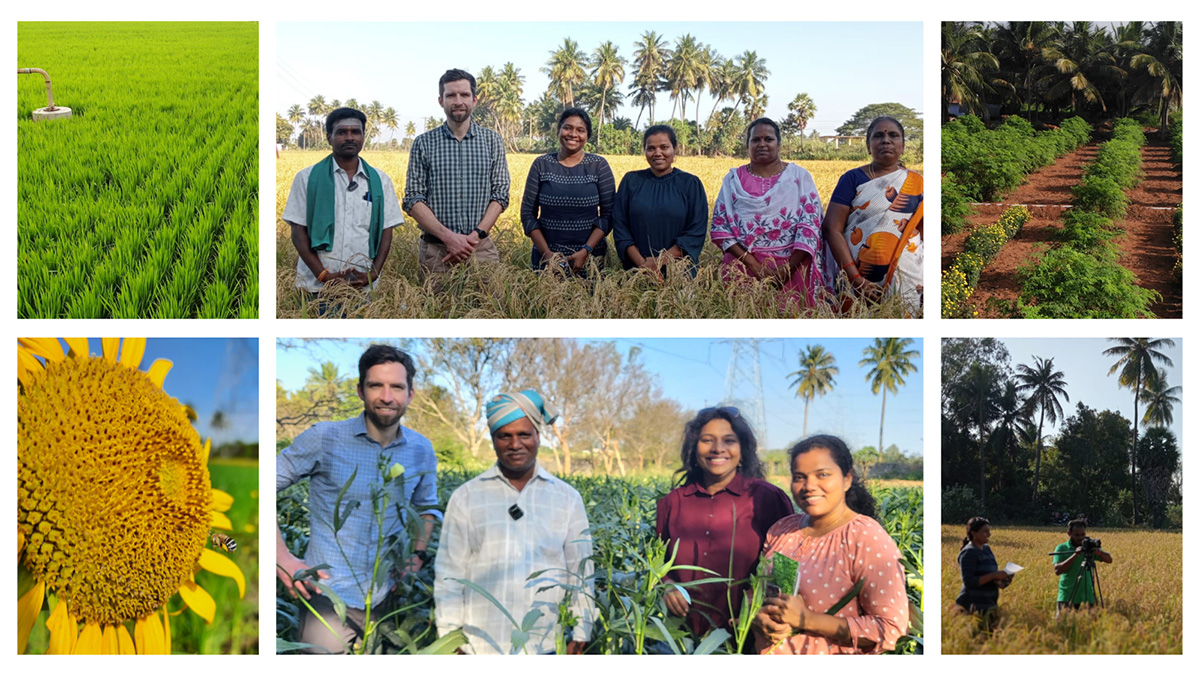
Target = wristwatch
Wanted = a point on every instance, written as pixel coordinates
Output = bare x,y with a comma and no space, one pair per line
424,556
482,233
589,249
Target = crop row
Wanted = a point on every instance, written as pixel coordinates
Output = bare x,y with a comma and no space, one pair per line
979,249
1082,278
145,203
979,164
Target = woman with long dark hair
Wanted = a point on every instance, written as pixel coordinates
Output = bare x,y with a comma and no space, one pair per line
982,578
836,544
718,516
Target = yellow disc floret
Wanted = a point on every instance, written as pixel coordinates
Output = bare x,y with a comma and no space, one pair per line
113,498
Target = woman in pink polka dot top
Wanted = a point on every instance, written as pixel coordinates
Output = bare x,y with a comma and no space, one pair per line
836,542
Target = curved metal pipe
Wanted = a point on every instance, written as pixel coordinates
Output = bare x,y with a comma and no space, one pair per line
49,91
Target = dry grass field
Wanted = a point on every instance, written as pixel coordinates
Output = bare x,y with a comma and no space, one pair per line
512,290
1143,588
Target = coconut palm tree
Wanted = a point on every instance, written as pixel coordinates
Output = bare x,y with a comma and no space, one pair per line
317,106
565,69
682,70
966,65
1083,59
508,106
1136,358
608,71
650,57
410,130
708,62
815,377
722,84
890,362
1044,385
1020,47
800,111
1162,60
1160,401
751,81
975,398
391,120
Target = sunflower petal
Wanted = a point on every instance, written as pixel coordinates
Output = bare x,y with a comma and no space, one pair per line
218,564
132,351
63,630
112,346
198,600
166,630
21,542
27,366
79,347
205,449
28,608
148,635
90,640
221,521
158,371
47,348
124,642
221,500
108,640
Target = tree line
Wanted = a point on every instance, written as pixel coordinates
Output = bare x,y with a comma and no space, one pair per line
613,415
599,82
996,461
1055,69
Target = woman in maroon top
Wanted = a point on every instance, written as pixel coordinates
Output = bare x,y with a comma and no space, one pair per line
722,482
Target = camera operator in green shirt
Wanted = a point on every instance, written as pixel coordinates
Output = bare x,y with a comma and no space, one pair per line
1075,587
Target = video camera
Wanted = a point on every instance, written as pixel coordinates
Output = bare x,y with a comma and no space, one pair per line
1089,545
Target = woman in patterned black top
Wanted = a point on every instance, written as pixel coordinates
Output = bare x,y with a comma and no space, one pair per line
568,199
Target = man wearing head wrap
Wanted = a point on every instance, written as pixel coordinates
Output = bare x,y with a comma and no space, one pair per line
501,527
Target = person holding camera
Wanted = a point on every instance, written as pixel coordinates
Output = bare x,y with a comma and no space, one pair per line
982,578
1075,587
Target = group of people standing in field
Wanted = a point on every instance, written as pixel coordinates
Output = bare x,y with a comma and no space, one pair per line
769,220
515,540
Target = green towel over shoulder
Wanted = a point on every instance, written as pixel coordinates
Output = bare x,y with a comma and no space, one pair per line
321,200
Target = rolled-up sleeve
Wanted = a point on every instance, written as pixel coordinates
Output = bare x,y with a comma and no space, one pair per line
500,178
416,180
299,459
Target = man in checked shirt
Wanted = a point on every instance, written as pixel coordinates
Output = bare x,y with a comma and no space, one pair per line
457,182
328,454
504,526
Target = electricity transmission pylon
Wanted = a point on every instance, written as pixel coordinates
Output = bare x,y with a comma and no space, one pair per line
752,407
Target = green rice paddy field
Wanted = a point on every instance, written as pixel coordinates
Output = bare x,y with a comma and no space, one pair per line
145,203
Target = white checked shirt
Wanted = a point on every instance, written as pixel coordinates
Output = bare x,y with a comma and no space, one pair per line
351,221
482,543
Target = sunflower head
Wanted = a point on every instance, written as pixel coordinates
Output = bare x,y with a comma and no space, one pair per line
114,500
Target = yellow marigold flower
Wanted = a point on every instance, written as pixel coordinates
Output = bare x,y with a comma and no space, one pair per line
114,499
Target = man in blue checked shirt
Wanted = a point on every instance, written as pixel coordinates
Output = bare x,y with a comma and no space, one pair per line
457,182
328,454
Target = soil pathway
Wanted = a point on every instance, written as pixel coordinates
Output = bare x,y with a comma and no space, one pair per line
1046,191
1146,247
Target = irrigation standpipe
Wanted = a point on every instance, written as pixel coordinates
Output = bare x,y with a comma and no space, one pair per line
50,112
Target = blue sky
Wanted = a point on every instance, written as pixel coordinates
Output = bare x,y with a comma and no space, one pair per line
210,374
1085,368
693,371
838,64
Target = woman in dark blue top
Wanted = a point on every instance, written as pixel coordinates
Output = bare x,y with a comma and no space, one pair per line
568,199
661,213
982,578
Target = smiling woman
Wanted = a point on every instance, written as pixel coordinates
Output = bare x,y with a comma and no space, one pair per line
718,518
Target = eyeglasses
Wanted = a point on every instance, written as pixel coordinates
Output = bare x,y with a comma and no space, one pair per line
728,410
352,186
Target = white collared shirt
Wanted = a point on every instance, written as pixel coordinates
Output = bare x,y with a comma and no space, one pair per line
482,543
351,221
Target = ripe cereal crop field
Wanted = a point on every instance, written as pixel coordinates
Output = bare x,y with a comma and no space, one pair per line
145,203
1143,590
512,290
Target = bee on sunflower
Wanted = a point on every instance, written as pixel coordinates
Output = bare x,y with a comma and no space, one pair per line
114,500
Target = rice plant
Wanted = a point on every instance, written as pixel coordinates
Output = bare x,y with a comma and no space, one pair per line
145,203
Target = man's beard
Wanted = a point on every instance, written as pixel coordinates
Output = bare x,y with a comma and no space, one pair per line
381,422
